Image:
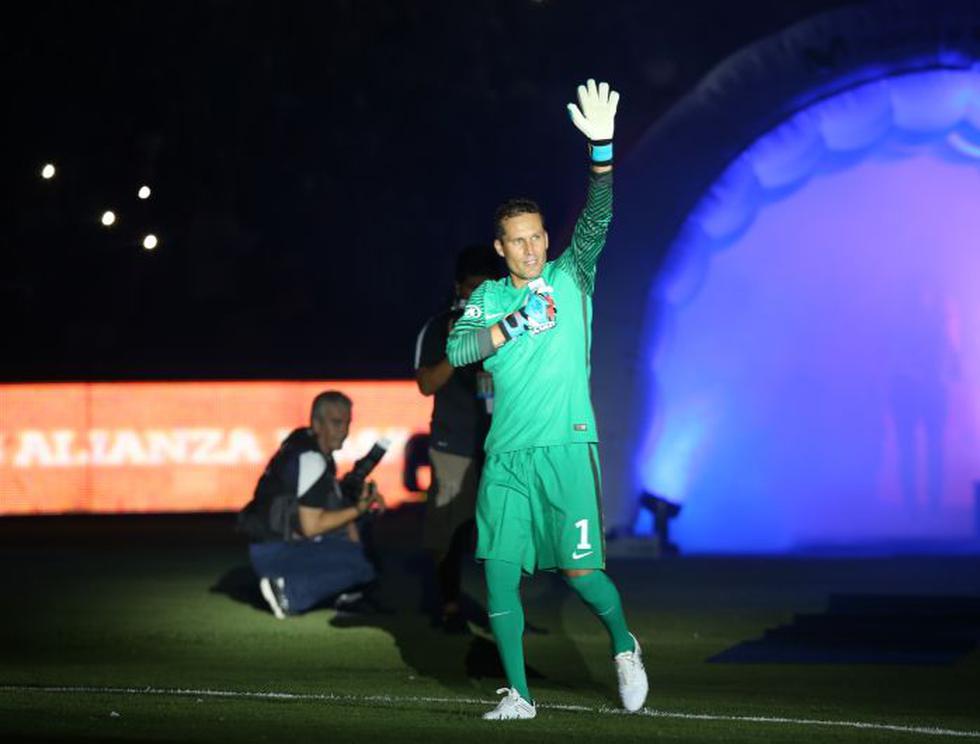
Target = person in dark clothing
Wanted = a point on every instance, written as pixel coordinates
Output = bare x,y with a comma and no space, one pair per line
306,547
460,419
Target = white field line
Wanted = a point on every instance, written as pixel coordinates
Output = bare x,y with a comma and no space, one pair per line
401,700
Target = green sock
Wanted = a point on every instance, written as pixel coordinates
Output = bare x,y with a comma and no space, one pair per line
599,593
507,620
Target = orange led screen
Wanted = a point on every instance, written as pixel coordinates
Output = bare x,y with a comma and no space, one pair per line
179,446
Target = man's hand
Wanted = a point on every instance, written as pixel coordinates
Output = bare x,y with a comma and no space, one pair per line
595,115
536,315
379,500
540,307
370,497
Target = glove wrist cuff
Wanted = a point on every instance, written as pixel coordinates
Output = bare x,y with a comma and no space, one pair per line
601,152
513,325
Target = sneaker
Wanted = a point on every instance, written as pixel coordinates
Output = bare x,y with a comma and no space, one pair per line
355,606
274,592
511,707
346,599
633,684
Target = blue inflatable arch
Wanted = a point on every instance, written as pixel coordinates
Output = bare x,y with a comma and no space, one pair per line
817,97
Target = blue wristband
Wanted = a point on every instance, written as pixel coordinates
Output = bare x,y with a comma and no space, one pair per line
601,152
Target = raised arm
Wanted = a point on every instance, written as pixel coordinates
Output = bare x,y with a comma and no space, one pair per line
589,237
595,117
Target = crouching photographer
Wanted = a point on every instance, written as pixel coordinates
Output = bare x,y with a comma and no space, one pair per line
304,526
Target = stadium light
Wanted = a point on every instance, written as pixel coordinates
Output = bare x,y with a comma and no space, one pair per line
144,192
47,172
150,242
663,511
108,218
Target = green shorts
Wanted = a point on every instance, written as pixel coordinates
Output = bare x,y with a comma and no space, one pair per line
541,508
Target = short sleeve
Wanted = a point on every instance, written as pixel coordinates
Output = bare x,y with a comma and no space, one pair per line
315,483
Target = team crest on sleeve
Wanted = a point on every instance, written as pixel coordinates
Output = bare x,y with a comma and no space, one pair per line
473,312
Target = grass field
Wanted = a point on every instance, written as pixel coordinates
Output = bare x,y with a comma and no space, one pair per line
146,629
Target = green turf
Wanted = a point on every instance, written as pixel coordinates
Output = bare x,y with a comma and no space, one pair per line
109,608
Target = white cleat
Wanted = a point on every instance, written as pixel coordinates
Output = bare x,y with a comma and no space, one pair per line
274,593
633,685
511,708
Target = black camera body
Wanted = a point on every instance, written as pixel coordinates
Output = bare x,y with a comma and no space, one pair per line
352,484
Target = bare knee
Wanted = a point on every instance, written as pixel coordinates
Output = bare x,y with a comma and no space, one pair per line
574,573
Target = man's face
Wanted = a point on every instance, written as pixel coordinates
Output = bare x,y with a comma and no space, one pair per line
524,247
332,427
466,287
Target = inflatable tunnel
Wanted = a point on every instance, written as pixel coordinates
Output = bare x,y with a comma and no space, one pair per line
788,312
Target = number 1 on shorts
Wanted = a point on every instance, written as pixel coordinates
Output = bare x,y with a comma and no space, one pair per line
583,526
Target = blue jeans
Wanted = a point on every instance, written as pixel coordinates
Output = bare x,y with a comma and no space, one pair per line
314,570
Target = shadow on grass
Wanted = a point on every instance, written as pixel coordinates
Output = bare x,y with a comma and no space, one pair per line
464,661
241,585
870,629
406,608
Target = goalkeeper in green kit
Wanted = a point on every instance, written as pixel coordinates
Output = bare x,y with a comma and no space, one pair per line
539,501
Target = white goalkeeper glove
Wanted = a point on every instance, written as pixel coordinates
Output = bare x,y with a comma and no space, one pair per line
595,117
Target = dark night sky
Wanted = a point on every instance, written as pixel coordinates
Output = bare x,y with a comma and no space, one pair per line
315,166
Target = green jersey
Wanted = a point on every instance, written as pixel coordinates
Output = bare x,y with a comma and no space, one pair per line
541,381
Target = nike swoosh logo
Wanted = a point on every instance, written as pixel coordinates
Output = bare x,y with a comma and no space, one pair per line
491,316
498,614
577,556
